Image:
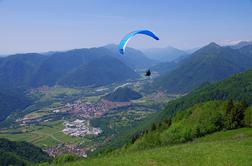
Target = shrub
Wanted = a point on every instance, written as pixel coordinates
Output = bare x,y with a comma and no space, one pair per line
177,133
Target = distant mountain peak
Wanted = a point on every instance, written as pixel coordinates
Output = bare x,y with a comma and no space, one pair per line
210,48
213,45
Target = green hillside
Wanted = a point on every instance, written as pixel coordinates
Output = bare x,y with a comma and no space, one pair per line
237,87
192,123
232,147
20,153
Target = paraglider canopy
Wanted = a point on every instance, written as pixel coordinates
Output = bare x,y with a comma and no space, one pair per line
126,39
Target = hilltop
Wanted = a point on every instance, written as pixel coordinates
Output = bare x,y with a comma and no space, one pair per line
123,94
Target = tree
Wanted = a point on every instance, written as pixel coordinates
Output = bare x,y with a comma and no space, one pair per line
230,106
228,120
235,114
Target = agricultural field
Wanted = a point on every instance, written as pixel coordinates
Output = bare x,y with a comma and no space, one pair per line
43,135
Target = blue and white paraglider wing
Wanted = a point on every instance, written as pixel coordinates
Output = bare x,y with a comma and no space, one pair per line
127,38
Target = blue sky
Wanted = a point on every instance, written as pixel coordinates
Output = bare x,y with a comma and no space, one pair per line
43,25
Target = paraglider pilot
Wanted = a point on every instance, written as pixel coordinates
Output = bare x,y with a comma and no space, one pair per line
148,73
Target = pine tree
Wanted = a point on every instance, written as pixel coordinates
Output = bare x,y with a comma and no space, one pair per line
228,120
230,106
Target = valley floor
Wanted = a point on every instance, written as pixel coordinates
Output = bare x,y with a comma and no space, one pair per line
230,148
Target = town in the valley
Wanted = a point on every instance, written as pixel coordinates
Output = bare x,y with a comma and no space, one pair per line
76,121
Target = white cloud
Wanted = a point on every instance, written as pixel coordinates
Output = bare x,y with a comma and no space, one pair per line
230,42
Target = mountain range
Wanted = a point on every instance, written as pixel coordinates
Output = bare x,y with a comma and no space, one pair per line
207,65
79,67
